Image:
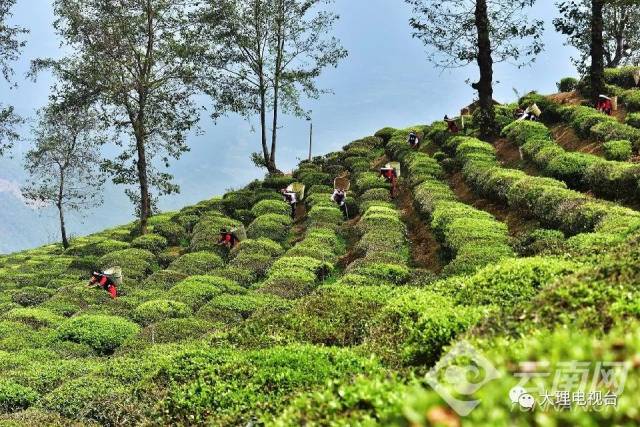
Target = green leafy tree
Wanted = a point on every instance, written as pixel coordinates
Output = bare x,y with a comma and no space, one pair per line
460,32
64,162
134,61
11,45
621,31
269,55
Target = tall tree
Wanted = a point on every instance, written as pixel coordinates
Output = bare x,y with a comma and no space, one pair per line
597,49
64,162
459,32
11,44
132,59
271,54
621,31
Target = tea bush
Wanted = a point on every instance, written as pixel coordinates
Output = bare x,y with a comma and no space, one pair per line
195,291
151,242
197,263
156,310
618,150
102,333
136,263
413,328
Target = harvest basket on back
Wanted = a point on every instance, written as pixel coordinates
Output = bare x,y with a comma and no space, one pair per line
342,183
298,188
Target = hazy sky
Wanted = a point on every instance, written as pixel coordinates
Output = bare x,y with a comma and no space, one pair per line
384,81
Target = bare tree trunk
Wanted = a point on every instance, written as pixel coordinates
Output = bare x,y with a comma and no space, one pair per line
145,199
597,49
276,82
63,229
485,63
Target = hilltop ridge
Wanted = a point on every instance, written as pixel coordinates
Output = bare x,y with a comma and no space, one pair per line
524,248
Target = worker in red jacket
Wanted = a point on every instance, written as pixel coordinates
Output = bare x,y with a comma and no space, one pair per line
604,105
99,279
451,124
389,174
228,238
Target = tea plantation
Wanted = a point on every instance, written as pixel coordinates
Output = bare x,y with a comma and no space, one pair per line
322,321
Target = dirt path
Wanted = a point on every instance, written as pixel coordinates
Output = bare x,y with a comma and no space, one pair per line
425,249
566,137
516,224
509,156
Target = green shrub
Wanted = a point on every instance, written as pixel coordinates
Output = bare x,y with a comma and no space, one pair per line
197,263
256,263
31,295
633,119
413,328
385,133
618,150
631,98
98,248
620,76
368,180
310,179
567,84
524,130
15,397
289,284
35,317
163,279
156,310
262,246
151,242
540,241
325,215
206,233
512,282
102,333
338,315
175,330
570,167
198,290
272,226
172,231
227,308
270,207
242,276
256,383
136,263
91,398
364,401
613,130
276,182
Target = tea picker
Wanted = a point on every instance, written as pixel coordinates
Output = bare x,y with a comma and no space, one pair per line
230,238
452,125
292,194
413,141
108,280
605,105
391,172
340,187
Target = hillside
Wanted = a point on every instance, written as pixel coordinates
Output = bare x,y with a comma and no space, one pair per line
525,248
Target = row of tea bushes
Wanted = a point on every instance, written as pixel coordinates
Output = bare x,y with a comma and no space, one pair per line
473,238
593,223
610,179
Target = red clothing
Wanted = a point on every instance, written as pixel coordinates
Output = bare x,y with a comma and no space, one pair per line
605,106
453,127
105,283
